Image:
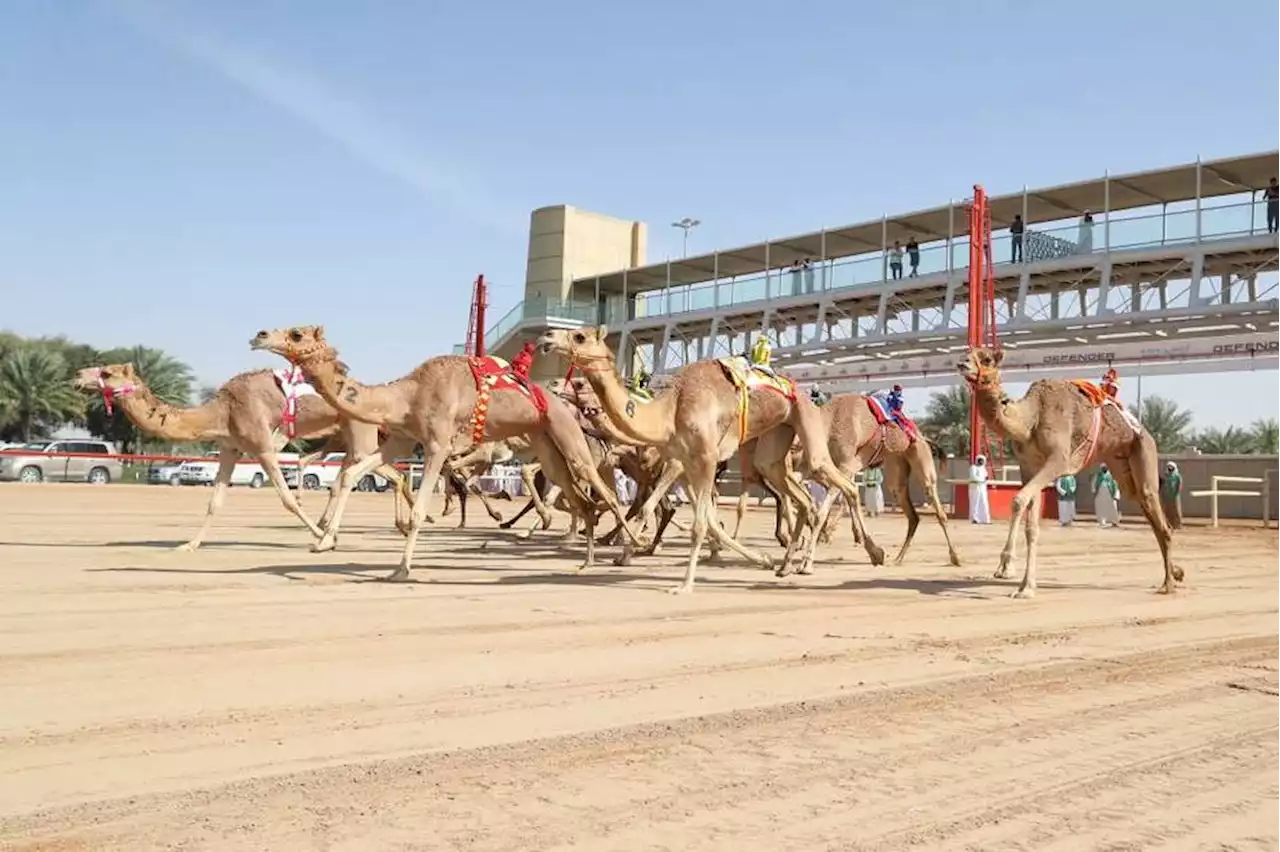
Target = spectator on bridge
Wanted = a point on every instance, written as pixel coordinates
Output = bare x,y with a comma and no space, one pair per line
1084,242
807,268
913,256
1272,196
1171,494
1066,488
895,260
795,277
1015,241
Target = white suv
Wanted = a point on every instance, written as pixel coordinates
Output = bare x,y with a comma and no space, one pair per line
325,473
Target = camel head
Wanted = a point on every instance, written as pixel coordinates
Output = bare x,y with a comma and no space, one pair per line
584,347
981,366
300,344
112,381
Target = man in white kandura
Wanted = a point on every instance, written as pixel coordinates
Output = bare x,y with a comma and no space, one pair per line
979,509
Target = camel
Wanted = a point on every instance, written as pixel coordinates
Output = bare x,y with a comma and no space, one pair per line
244,417
856,441
696,419
437,405
1056,429
470,466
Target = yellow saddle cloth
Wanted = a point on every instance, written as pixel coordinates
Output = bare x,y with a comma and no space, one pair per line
747,376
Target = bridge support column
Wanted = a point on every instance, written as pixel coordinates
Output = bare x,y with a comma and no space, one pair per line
949,300
1194,298
820,324
1024,284
1104,290
660,357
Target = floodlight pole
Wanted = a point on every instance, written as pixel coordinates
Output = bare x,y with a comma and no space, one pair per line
686,224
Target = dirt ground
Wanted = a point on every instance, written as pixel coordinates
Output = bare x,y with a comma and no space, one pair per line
255,696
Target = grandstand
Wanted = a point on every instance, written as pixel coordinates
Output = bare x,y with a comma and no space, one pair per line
1176,273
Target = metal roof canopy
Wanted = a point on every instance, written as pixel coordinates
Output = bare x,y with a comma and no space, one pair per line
1138,189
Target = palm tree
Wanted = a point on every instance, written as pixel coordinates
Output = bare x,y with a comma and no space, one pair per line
1225,442
207,393
36,396
1167,423
167,377
1266,436
946,420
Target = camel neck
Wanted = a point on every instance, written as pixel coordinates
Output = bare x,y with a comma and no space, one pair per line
651,423
999,412
368,404
158,418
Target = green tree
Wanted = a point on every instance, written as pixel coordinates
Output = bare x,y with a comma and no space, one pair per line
1169,424
36,396
165,376
1266,436
946,420
1223,442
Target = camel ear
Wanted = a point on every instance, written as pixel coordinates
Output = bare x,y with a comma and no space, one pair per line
129,370
997,357
602,332
319,332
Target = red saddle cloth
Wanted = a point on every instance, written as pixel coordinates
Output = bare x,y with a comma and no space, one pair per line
494,374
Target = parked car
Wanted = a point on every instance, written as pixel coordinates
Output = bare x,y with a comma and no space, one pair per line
165,473
319,476
205,471
43,461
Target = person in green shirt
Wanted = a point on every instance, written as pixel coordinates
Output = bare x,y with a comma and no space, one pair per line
1171,495
1066,488
872,493
1106,498
640,386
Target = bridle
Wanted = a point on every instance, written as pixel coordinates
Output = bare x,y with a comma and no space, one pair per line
110,394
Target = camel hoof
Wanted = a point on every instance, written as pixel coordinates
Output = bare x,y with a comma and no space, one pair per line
496,516
399,575
1023,594
877,556
682,589
1166,589
782,571
955,560
324,545
188,547
1177,573
805,570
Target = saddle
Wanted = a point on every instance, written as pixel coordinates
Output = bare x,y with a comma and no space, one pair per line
746,378
1098,400
494,374
293,385
900,419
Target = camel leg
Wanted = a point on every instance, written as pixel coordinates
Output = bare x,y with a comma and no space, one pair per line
1022,501
1144,483
701,478
787,490
402,495
227,459
1028,587
346,484
551,498
743,496
272,466
434,458
831,477
898,483
929,480
494,514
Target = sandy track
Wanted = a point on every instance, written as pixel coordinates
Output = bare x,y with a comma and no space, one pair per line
256,696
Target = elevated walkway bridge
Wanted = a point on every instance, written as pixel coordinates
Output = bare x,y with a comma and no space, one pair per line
1174,271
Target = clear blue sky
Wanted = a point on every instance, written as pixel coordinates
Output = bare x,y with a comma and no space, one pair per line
183,173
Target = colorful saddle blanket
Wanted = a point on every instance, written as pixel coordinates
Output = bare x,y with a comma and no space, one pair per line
1099,400
749,377
494,374
901,420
